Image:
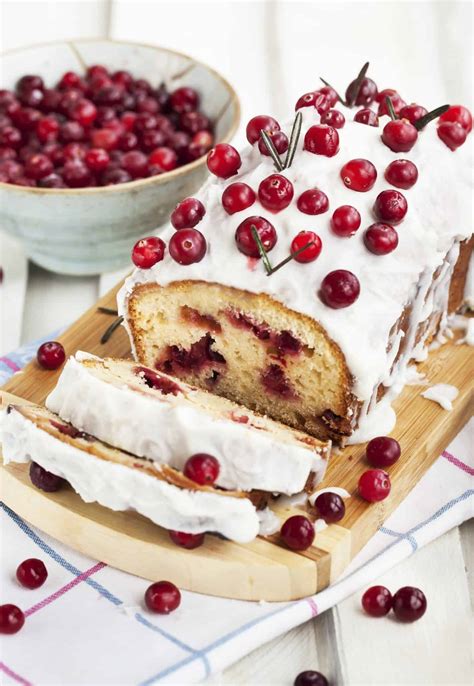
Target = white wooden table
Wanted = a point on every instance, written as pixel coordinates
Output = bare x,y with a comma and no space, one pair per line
272,52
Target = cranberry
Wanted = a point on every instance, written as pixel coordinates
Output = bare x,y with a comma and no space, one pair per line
187,213
150,140
366,94
52,181
402,174
122,77
201,468
32,573
97,159
11,619
311,678
322,140
377,601
297,532
194,151
322,103
187,246
279,140
129,141
76,174
237,197
84,112
51,100
128,120
188,541
203,139
44,480
382,451
409,604
113,176
164,158
459,115
345,221
397,103
70,80
104,138
313,201
135,163
32,97
28,82
71,131
244,236
47,129
359,175
7,99
192,122
452,134
374,485
10,136
275,192
162,597
51,355
147,104
390,206
96,70
38,166
367,117
147,252
260,123
412,112
333,118
68,100
184,100
339,288
7,154
399,135
312,252
330,507
307,100
74,151
223,160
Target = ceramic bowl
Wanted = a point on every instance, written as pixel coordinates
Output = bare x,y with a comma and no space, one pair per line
91,230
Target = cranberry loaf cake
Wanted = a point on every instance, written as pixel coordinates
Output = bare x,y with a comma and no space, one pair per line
153,415
120,481
314,266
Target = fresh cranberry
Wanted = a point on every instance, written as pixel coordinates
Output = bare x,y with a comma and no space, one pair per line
74,151
44,480
70,80
184,100
76,174
84,112
97,159
377,601
279,140
71,131
381,239
122,77
187,213
28,82
194,151
135,163
340,288
312,252
307,100
192,122
397,103
310,678
179,141
224,160
111,177
322,103
330,507
412,112
162,597
452,134
260,123
359,175
382,451
402,174
367,117
345,221
164,158
7,154
47,129
237,197
128,120
322,140
68,100
390,206
11,169
38,166
7,99
32,97
244,236
147,252
147,104
26,118
52,181
10,137
409,604
330,94
297,532
51,100
333,118
374,485
201,468
313,201
399,135
32,573
459,115
11,619
104,138
275,192
51,355
129,141
366,94
96,70
187,246
150,140
203,139
188,541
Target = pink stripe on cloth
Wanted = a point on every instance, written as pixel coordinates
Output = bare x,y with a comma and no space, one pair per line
61,591
313,606
14,367
458,463
13,675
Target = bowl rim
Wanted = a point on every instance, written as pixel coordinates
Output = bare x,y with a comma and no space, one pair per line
160,178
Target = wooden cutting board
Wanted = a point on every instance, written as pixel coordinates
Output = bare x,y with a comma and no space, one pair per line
263,569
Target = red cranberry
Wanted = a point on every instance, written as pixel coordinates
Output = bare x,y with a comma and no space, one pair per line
399,135
307,100
313,201
68,100
340,288
359,175
345,221
279,140
147,104
275,192
202,469
366,95
164,158
96,70
7,154
84,112
32,573
402,174
381,239
246,242
322,103
52,181
223,160
312,252
44,480
129,141
260,123
237,197
203,139
147,252
76,174
412,112
184,100
70,80
111,177
10,136
128,120
395,99
188,541
382,451
409,604
297,532
51,100
47,129
162,597
74,151
28,82
390,206
192,122
7,99
150,140
322,140
51,355
104,138
194,151
377,601
374,485
97,159
71,131
333,118
330,507
32,97
187,213
135,163
122,77
310,678
459,115
11,619
26,118
452,134
187,246
38,166
367,117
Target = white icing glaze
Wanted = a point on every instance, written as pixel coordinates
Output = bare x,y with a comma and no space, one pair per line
443,394
121,488
320,525
269,522
330,489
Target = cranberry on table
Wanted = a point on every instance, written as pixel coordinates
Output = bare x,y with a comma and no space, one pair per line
359,175
32,573
313,202
395,99
275,192
452,134
164,158
345,221
237,197
44,480
148,251
366,116
311,678
51,355
366,94
402,174
330,507
187,213
374,485
245,240
459,115
412,112
321,139
333,118
184,99
409,604
390,206
399,135
382,451
297,532
201,468
224,160
188,541
260,123
279,140
187,246
377,601
312,252
162,597
11,619
339,289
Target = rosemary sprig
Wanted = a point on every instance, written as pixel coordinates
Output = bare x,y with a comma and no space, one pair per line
294,137
272,150
290,257
107,310
261,250
354,90
423,121
108,332
391,111
343,102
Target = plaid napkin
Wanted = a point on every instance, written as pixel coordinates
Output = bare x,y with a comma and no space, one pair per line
87,624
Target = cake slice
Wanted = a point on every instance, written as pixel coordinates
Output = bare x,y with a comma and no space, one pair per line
120,481
150,414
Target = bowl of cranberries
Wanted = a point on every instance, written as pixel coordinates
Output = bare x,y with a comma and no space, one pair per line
99,140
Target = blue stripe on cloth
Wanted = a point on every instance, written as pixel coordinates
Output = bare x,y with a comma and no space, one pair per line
397,534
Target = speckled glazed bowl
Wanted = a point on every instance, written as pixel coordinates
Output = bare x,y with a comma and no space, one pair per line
92,230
